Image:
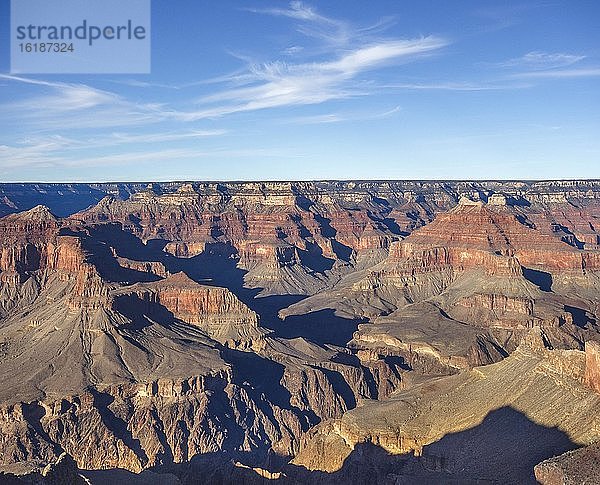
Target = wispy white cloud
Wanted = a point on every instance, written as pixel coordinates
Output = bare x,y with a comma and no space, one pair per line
39,155
281,84
79,106
342,117
458,86
58,150
536,60
170,155
346,52
69,97
165,137
388,113
296,10
61,114
558,74
269,85
64,96
10,77
499,16
29,155
317,119
333,32
292,50
374,55
538,65
136,83
115,139
257,87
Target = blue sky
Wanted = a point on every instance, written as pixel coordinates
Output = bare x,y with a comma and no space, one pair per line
273,90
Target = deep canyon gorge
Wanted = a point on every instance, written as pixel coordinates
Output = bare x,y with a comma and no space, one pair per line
300,332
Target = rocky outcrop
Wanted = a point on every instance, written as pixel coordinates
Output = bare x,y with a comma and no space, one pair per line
32,244
26,240
150,267
130,376
499,303
215,310
592,365
476,264
139,425
470,233
571,468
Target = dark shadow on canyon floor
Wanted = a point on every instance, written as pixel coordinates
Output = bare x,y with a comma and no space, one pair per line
503,449
321,327
218,266
542,279
581,318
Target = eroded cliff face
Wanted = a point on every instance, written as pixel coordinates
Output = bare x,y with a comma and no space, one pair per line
169,326
570,468
481,263
60,472
286,242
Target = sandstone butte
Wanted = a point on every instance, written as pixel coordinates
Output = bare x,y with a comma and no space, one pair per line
305,332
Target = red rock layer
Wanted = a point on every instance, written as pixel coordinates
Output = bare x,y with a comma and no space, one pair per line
499,303
357,230
191,302
26,240
576,223
421,258
215,310
31,242
471,236
151,267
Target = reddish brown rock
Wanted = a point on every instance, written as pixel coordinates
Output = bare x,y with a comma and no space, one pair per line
191,301
124,374
151,267
24,239
592,365
473,227
498,303
214,309
273,255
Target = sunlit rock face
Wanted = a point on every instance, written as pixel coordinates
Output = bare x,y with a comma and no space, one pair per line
305,332
592,365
